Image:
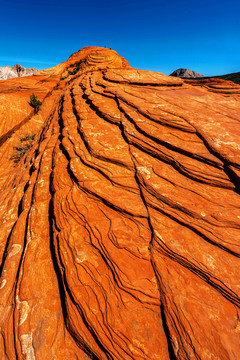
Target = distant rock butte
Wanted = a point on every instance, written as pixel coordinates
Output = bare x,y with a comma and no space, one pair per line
120,226
186,73
8,72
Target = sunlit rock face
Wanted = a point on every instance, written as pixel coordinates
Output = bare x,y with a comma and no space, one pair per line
8,72
186,73
120,225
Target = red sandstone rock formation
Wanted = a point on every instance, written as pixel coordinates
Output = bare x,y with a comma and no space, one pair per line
120,225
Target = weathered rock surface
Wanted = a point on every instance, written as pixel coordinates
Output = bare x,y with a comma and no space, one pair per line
186,73
8,72
120,226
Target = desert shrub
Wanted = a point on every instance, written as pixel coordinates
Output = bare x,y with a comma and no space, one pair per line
28,138
35,103
75,70
20,151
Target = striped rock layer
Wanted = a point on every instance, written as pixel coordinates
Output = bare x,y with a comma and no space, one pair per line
120,225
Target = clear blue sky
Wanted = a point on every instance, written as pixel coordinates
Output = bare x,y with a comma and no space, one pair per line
202,35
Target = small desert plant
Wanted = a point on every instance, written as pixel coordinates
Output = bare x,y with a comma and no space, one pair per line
35,103
28,138
75,70
20,151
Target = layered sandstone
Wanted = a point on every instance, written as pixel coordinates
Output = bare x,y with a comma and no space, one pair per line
120,226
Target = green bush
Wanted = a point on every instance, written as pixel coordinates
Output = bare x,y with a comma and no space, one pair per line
28,137
75,70
21,150
71,72
35,103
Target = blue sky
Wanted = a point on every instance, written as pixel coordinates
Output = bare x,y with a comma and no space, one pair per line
153,35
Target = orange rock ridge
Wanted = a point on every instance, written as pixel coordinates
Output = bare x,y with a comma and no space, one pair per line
120,225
